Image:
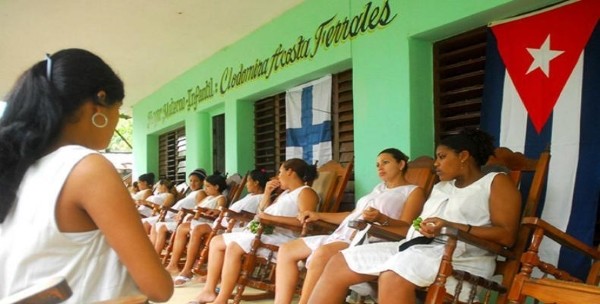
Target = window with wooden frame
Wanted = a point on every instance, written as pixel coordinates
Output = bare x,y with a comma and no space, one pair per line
458,70
171,156
270,131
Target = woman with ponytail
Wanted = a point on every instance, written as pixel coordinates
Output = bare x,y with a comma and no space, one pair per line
82,225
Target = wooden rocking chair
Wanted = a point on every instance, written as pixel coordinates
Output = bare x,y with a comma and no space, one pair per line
565,289
508,265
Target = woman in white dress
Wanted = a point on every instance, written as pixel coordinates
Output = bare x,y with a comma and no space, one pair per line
164,197
226,250
82,224
145,184
214,185
485,205
255,184
196,194
393,202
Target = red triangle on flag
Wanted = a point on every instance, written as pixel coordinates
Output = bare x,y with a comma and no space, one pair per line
540,52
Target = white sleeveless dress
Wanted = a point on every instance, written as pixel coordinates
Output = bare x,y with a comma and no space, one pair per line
420,263
188,202
140,194
285,205
209,202
248,203
158,199
33,249
389,201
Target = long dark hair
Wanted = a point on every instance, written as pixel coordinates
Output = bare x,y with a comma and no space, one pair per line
261,177
478,143
306,172
43,100
218,180
398,156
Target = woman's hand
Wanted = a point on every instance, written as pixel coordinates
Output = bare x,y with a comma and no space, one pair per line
371,214
179,216
308,216
430,227
271,186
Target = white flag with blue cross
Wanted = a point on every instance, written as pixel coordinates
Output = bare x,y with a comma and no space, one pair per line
308,121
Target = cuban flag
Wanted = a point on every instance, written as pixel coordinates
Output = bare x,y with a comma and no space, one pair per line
542,89
308,121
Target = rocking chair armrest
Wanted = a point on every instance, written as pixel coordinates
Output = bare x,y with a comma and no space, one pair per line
169,209
468,238
376,230
51,290
318,227
561,237
187,211
381,232
243,216
281,225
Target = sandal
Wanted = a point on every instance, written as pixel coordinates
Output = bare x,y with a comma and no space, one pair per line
181,281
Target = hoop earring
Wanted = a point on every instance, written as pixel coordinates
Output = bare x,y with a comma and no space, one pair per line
97,125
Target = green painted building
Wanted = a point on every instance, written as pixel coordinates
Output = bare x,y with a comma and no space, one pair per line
384,53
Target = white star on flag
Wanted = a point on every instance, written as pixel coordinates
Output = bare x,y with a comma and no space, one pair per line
542,57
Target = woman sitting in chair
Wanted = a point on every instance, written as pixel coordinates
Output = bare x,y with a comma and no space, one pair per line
485,205
226,250
196,195
163,197
145,184
393,202
255,184
214,185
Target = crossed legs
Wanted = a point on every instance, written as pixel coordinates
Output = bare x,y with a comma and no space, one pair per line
224,262
333,284
287,268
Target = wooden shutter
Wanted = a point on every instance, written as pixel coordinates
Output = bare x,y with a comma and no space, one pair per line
342,117
269,133
458,66
171,156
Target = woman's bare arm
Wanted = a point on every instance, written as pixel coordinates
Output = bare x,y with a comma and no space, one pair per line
107,206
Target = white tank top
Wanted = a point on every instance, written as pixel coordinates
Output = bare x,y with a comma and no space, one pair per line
33,249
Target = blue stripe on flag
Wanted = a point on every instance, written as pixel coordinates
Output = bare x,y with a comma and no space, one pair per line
491,107
584,213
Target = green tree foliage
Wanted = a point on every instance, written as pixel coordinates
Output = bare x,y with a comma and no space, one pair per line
122,142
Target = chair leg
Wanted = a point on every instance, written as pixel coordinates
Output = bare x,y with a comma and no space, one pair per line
167,251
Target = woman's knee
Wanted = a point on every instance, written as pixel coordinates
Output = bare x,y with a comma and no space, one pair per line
390,278
324,253
162,230
336,262
290,251
217,243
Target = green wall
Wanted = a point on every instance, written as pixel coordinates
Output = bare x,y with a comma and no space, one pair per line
392,80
